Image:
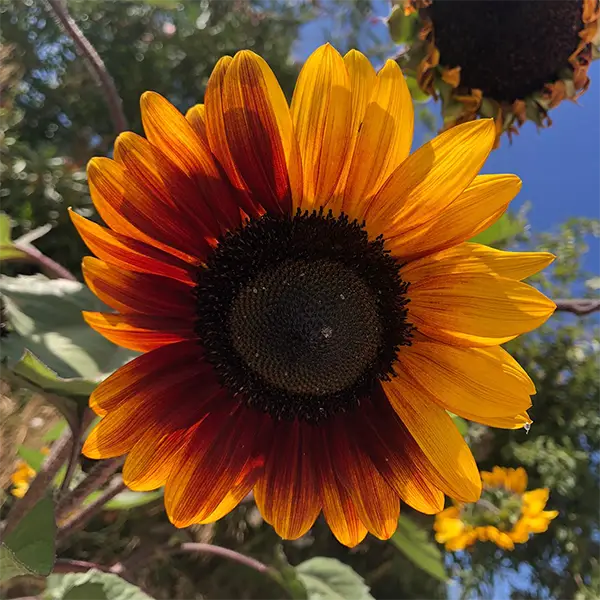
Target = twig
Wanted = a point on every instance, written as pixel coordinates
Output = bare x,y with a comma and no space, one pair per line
579,306
97,477
116,486
66,565
78,431
50,266
95,64
50,467
225,553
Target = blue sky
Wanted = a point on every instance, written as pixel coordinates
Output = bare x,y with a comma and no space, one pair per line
559,166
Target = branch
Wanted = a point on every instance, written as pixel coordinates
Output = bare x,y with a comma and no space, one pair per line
579,306
95,64
97,477
115,487
225,553
48,265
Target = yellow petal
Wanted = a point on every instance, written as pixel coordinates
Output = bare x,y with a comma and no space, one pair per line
475,258
513,422
534,502
426,183
465,379
455,471
476,310
480,205
383,142
322,117
517,480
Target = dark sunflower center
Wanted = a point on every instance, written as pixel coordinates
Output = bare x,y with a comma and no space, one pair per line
301,316
506,48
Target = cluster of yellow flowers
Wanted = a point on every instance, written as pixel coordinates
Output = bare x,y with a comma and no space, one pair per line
457,533
21,478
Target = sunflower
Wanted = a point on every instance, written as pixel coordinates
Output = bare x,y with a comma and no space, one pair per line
305,300
505,514
512,61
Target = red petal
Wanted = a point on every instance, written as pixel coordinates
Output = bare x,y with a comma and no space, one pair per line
287,493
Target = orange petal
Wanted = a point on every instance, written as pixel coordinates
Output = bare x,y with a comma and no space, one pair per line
322,117
429,180
383,437
154,455
129,253
217,136
201,194
480,205
258,128
129,292
338,508
196,118
454,469
211,463
376,503
287,494
158,369
107,180
156,187
140,332
149,410
476,309
475,258
383,142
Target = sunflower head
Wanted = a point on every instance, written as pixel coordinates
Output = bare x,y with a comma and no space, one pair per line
306,302
505,514
510,61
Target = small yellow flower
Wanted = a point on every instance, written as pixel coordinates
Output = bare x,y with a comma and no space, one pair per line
21,479
492,519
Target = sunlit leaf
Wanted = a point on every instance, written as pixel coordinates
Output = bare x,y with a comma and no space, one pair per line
414,543
504,229
329,579
93,585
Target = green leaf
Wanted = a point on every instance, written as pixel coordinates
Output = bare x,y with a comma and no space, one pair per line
129,499
8,251
54,433
403,28
45,315
93,585
29,549
504,229
86,591
330,579
414,543
34,458
461,424
418,95
287,576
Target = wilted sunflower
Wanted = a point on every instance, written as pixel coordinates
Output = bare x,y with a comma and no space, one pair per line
512,61
277,266
505,514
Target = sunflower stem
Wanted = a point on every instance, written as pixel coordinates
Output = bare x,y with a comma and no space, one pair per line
46,264
96,66
81,518
97,477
